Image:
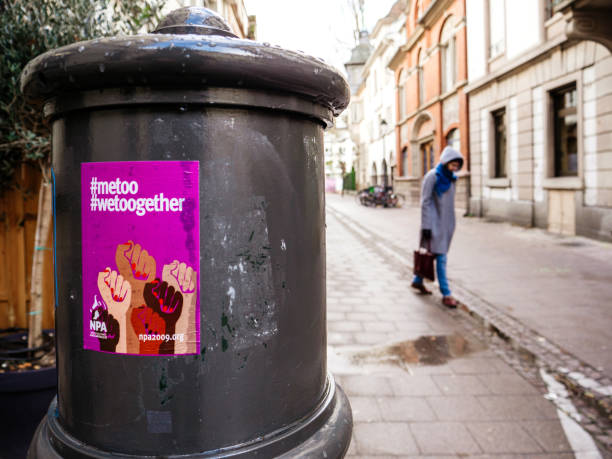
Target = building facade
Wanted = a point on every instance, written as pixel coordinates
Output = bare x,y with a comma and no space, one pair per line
339,153
354,69
430,75
372,113
233,11
541,119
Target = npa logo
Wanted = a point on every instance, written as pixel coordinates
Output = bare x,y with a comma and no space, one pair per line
97,324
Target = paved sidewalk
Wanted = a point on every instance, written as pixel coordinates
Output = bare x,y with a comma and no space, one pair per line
560,287
457,401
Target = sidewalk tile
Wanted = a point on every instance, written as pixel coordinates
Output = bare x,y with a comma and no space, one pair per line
384,438
339,339
344,326
372,337
549,435
365,409
460,385
517,407
503,437
405,409
414,386
335,306
362,316
333,316
475,365
444,438
523,456
458,408
379,326
507,384
366,385
429,370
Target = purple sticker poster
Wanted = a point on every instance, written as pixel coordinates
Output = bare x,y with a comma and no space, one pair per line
141,251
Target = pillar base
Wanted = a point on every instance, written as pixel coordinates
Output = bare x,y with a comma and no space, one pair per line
326,432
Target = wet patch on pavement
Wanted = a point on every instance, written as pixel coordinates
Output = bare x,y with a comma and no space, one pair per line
425,350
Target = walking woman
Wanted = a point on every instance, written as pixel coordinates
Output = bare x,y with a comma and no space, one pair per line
438,217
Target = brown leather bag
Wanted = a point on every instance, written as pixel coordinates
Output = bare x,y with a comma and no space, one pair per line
424,262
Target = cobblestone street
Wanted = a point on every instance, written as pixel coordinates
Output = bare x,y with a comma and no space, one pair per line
421,381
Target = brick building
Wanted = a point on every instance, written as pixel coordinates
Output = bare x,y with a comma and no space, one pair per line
431,105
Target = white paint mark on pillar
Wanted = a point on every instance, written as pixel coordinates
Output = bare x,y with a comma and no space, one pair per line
231,293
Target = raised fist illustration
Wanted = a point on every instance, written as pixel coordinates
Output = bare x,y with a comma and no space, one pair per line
117,294
184,279
134,263
149,328
167,302
109,333
137,267
181,275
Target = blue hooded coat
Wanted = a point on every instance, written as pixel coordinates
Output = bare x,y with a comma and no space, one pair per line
438,211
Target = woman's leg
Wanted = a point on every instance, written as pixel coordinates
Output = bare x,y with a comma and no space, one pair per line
441,272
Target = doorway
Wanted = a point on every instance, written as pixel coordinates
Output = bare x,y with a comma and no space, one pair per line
427,156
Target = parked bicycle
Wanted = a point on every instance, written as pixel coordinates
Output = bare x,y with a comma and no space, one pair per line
380,196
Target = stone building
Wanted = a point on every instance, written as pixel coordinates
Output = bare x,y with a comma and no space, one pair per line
354,69
233,11
372,114
431,104
540,119
339,152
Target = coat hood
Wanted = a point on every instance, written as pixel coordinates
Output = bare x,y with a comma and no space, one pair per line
450,154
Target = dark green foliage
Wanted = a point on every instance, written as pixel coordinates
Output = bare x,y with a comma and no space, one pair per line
31,27
348,182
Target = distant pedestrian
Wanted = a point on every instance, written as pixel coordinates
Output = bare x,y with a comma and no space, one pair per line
438,217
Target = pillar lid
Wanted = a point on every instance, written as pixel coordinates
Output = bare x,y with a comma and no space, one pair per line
192,48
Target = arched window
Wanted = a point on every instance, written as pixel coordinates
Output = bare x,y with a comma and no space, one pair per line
401,94
405,162
421,74
385,173
448,56
453,139
374,174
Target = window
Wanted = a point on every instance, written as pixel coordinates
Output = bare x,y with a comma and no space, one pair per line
421,75
453,139
404,162
499,131
374,174
420,9
401,94
551,6
497,27
448,56
385,173
565,131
